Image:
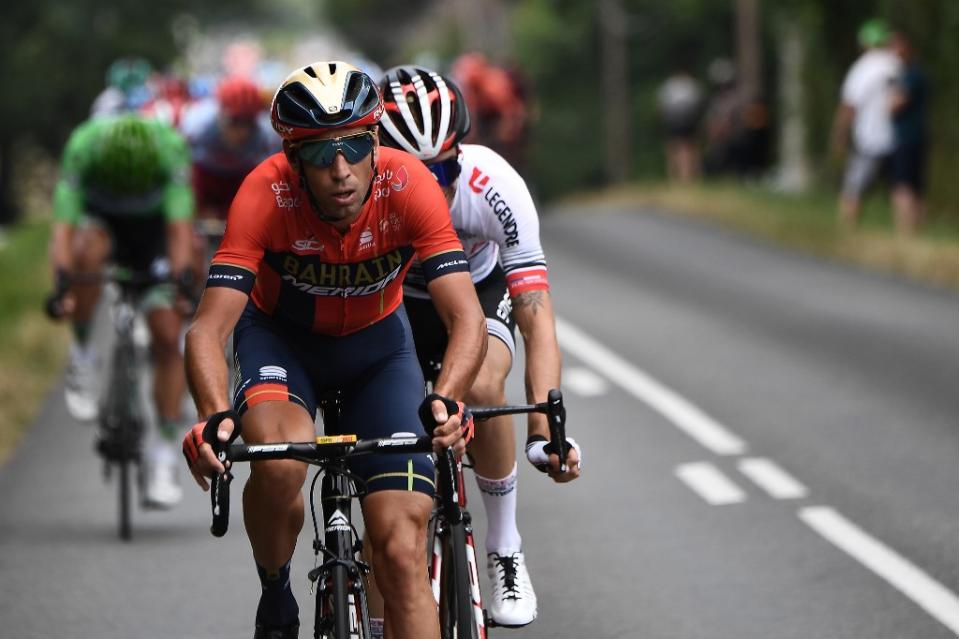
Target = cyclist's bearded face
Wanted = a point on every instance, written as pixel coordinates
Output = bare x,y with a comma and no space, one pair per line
339,168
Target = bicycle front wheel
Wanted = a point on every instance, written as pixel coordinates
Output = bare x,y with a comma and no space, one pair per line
125,497
459,618
342,612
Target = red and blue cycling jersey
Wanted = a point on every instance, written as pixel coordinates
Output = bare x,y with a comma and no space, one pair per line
301,270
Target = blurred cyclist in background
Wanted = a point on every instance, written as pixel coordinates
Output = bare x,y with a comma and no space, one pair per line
127,88
228,137
499,112
495,218
123,196
171,98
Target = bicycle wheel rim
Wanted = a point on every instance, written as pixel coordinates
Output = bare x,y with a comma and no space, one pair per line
457,617
125,497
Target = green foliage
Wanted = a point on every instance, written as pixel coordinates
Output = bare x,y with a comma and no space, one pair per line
54,54
558,44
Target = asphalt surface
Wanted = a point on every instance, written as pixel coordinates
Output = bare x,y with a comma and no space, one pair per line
843,380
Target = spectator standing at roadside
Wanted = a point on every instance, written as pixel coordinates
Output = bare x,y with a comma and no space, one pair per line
908,164
680,101
865,109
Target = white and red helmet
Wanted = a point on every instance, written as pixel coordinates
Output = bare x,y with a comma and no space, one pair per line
425,112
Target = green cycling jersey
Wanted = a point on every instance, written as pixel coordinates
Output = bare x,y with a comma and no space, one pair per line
124,167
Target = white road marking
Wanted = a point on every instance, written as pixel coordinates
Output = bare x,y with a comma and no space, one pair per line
684,415
929,594
771,478
710,483
584,382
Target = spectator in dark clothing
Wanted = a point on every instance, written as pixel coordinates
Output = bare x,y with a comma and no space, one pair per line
908,160
680,105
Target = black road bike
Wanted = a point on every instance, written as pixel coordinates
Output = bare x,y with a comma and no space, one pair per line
122,419
339,576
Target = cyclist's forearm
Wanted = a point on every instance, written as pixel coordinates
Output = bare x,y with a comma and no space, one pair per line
463,357
180,245
534,317
61,247
206,371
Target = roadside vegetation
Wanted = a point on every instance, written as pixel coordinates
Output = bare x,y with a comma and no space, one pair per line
32,348
808,223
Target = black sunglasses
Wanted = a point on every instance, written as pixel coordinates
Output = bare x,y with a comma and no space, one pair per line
321,153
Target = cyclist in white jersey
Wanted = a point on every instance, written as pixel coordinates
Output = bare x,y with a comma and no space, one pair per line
495,218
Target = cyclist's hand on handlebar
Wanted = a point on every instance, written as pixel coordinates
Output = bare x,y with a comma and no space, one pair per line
59,305
199,454
542,454
442,418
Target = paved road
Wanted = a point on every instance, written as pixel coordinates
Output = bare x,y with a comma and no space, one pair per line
769,453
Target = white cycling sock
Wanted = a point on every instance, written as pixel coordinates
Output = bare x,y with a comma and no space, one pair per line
376,628
499,498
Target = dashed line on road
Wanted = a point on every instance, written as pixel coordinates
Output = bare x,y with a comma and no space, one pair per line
676,409
769,476
584,382
929,594
710,483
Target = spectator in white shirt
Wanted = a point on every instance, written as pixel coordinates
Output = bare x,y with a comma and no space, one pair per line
865,109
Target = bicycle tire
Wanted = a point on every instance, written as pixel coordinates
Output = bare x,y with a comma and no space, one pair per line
341,603
125,497
457,617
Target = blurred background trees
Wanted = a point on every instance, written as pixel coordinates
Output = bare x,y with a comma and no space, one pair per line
590,69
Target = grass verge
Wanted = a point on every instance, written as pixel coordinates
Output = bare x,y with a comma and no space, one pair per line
807,223
32,348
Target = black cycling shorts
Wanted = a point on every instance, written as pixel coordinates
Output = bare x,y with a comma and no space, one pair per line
374,369
430,335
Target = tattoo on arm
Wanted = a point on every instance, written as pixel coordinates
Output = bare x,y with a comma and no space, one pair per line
531,299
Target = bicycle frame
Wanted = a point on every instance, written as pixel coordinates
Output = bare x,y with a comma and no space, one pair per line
454,575
122,417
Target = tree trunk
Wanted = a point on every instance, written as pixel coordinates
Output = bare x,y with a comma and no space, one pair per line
793,158
9,211
748,49
617,129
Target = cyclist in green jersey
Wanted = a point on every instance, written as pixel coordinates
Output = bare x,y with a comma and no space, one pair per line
123,197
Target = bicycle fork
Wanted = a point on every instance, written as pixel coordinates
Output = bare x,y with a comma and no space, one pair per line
453,511
341,609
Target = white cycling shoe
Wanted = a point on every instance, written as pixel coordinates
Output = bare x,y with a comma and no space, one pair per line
161,489
513,603
80,386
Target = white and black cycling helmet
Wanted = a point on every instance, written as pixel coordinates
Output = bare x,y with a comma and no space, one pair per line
425,112
324,96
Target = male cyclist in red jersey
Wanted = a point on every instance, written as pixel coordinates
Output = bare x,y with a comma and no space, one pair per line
310,274
228,137
495,217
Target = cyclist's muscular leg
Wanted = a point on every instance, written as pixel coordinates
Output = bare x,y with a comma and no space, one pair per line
169,382
91,249
493,448
396,524
272,502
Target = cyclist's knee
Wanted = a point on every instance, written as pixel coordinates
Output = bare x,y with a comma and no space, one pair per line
165,337
396,523
490,383
284,478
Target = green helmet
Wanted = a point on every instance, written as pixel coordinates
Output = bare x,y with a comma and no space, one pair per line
128,74
873,33
127,158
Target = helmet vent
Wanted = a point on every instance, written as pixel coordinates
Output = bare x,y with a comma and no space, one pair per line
310,71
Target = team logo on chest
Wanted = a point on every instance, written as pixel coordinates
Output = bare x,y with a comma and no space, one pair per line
366,239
